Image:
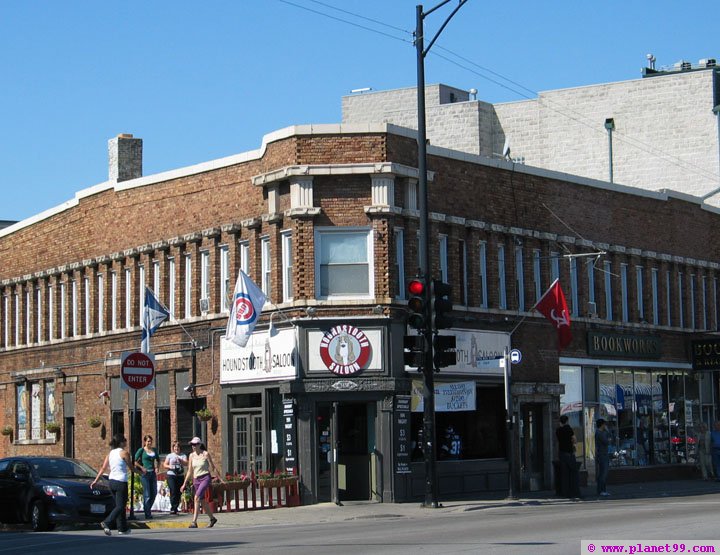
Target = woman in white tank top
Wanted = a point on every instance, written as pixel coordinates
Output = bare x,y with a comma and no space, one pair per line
118,462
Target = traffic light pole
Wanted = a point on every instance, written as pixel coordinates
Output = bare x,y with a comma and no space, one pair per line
429,451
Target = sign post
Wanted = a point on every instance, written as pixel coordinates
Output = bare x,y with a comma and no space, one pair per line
137,371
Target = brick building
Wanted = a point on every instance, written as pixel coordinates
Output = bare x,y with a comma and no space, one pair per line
666,127
325,220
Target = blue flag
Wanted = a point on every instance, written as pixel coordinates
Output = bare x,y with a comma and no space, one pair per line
154,314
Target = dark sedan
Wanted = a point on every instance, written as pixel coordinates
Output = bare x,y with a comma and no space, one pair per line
46,491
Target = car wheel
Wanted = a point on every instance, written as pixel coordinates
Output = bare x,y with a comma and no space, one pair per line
38,517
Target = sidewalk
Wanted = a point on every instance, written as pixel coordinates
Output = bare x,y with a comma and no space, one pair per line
352,510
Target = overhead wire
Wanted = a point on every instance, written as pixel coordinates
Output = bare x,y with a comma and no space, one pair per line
516,88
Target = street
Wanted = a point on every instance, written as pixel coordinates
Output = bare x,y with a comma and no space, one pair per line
537,528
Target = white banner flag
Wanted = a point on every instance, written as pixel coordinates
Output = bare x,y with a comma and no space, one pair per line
248,301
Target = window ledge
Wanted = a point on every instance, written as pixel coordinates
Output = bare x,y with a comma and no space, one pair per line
45,441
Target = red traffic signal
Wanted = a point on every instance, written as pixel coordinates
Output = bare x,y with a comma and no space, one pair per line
416,303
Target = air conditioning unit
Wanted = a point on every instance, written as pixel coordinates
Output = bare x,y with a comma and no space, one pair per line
204,305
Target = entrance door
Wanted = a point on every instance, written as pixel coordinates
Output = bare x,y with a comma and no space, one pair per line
248,443
532,441
69,438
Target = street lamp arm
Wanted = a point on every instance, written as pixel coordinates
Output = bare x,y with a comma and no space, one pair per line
442,27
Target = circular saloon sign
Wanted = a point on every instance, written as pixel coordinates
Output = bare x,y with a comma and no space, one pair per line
345,350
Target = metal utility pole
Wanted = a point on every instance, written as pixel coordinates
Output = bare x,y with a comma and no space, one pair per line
429,451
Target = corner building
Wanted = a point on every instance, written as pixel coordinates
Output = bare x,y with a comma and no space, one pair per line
324,219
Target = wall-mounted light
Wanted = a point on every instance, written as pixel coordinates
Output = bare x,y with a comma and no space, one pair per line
190,388
311,311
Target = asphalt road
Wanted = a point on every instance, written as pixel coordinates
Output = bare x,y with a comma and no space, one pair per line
532,529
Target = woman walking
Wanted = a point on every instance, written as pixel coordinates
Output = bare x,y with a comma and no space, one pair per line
175,463
119,463
147,460
199,466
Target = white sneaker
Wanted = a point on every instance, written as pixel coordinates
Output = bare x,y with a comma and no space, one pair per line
604,494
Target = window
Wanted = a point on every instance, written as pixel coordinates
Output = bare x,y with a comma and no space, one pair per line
141,292
655,296
483,275
22,405
86,291
101,303
39,314
113,300
624,292
51,313
668,297
399,235
35,414
462,256
703,294
74,309
171,285
691,286
640,292
205,275
537,279
163,429
607,267
6,320
411,195
715,305
502,292
681,303
266,265
443,254
224,278
575,309
50,407
287,266
520,278
554,266
245,256
343,265
28,338
128,298
188,286
63,308
16,298
156,278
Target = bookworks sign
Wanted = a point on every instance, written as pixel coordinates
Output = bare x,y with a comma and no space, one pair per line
623,345
706,354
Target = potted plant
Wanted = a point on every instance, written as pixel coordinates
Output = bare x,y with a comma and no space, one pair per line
7,430
52,427
204,414
94,422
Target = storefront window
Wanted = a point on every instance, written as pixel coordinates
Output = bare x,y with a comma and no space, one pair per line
661,431
693,416
608,410
676,414
624,404
643,417
571,404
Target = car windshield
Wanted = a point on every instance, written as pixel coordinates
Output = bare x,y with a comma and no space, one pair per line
62,468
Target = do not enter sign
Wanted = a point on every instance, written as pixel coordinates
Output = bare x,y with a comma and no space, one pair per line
137,370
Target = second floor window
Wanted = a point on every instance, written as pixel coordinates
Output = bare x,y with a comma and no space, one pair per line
224,278
287,267
399,235
266,263
483,275
343,263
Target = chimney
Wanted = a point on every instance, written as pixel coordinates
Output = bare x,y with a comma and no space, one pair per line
125,158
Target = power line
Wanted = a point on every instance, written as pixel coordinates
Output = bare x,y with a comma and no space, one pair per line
376,21
344,20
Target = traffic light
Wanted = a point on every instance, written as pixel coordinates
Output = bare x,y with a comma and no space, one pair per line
444,351
441,305
416,303
414,351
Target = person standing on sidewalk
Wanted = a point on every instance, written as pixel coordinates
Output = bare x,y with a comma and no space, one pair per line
119,463
716,450
200,464
602,456
569,476
147,460
704,452
175,464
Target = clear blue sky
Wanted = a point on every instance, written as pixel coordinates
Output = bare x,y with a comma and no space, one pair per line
202,80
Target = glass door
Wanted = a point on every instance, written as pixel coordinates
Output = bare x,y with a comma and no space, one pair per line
248,443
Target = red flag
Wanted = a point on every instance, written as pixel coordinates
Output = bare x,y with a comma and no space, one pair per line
554,307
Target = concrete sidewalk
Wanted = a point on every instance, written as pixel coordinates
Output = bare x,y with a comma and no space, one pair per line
352,510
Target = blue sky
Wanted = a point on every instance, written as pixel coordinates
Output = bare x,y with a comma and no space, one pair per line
199,81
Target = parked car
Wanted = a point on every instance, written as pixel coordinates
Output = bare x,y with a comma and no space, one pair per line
46,491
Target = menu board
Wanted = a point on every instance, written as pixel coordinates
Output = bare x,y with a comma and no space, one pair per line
290,435
402,434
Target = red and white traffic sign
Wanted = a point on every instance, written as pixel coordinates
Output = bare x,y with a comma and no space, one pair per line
137,370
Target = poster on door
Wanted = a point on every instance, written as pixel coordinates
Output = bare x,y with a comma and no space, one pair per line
289,434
